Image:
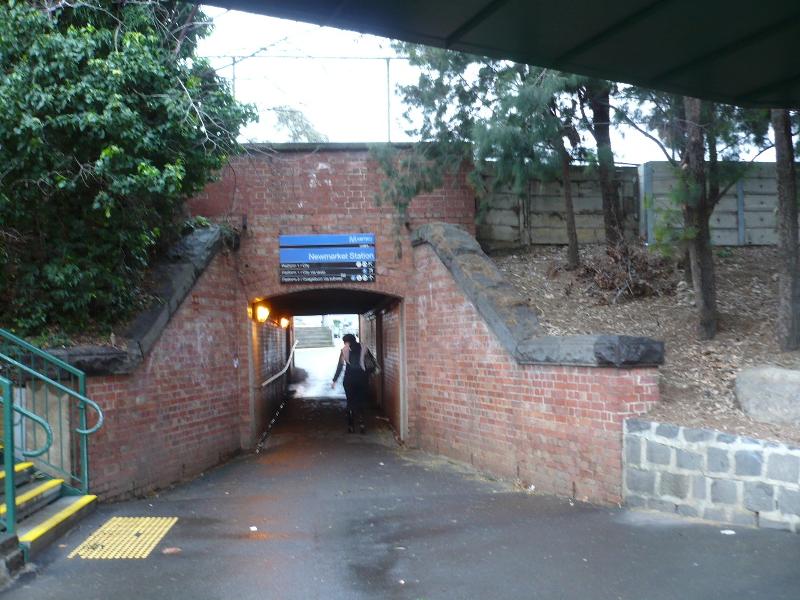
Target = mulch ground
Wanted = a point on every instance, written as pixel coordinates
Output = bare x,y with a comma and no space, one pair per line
697,379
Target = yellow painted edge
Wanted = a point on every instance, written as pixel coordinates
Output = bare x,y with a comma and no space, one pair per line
18,468
37,491
56,519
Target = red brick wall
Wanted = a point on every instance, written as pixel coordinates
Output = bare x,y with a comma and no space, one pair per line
558,428
324,191
268,343
387,387
187,406
390,362
179,412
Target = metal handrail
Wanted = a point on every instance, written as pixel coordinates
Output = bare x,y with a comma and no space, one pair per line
70,392
282,371
10,484
42,354
42,423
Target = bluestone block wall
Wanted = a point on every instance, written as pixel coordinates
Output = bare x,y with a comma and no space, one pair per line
712,475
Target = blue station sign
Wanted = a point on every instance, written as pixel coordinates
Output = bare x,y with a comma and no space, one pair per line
327,258
336,239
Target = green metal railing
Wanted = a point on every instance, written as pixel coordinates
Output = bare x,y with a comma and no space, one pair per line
9,520
54,391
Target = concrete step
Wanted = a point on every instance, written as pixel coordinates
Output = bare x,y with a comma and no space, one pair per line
11,558
313,337
314,345
34,495
23,473
40,530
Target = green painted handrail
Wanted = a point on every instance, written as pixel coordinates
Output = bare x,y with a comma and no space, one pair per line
70,392
43,424
10,485
83,430
41,353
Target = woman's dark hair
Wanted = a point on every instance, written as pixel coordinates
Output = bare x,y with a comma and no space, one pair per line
349,338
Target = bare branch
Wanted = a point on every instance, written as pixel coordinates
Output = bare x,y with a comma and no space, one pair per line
727,188
187,25
645,133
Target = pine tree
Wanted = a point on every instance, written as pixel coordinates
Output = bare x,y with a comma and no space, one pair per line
788,321
515,123
703,141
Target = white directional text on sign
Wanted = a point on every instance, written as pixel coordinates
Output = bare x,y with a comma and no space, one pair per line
328,258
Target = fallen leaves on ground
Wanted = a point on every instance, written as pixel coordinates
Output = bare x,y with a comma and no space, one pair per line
697,379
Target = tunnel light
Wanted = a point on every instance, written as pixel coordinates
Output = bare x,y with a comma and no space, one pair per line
262,313
249,311
284,322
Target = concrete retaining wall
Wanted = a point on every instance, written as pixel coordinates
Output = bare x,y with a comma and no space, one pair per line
537,216
744,216
711,475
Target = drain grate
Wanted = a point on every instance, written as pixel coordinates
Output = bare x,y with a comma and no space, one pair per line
125,537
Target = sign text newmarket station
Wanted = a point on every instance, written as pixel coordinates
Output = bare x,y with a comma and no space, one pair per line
347,257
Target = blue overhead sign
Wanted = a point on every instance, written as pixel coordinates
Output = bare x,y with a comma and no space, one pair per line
337,239
327,255
327,258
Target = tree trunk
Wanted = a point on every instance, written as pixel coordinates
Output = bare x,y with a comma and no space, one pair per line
788,324
573,260
687,267
696,212
599,102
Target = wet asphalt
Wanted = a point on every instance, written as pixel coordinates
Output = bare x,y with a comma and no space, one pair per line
350,516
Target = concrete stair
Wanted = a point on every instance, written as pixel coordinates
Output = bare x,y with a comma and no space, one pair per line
53,521
11,558
46,509
313,337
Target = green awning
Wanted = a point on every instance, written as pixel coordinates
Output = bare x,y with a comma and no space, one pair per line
735,51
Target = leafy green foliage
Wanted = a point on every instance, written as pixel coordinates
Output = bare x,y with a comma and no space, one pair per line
512,121
728,130
109,123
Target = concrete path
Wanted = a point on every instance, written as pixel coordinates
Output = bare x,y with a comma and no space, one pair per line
320,365
344,516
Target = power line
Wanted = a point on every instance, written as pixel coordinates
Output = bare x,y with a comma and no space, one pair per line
239,58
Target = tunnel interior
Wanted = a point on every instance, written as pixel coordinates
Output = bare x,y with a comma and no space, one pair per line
330,301
378,327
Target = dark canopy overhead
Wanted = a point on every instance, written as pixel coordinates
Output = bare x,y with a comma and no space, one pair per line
735,51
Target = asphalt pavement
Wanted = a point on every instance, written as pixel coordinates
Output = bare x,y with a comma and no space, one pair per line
326,514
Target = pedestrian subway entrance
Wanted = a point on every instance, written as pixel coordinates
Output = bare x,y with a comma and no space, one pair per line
323,326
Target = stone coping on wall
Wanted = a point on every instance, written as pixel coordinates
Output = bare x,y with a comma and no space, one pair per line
514,321
173,279
711,475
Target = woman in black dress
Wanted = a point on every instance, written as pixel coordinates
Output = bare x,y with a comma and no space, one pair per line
356,380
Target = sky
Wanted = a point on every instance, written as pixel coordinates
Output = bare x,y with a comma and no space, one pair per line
337,78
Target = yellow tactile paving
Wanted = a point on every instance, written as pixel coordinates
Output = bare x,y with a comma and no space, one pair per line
125,537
